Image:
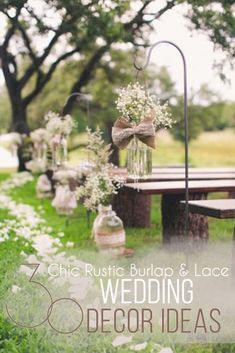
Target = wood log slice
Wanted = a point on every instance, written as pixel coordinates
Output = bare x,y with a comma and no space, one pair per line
173,219
134,209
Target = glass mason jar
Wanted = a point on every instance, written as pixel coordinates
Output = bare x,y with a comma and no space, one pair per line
59,151
108,229
139,159
40,152
64,201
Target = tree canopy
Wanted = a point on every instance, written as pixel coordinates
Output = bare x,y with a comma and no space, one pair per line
39,35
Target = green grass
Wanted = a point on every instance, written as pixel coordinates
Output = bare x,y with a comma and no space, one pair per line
210,149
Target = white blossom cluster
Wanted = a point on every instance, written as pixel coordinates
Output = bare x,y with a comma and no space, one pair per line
99,149
15,138
134,103
100,183
16,180
162,116
27,223
125,340
62,176
57,125
36,166
98,189
39,136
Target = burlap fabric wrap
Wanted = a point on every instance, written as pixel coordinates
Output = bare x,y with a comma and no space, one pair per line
123,132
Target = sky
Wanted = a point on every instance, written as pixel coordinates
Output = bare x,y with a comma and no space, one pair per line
198,51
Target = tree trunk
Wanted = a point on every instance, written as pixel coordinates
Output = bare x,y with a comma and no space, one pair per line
173,219
134,209
20,125
19,118
114,157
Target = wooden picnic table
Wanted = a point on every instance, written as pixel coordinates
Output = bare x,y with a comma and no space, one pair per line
177,174
178,187
133,203
181,176
223,170
181,170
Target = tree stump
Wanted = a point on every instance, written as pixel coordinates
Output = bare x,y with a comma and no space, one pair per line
133,209
173,219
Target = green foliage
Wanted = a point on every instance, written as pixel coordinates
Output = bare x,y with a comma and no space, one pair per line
217,19
87,28
194,118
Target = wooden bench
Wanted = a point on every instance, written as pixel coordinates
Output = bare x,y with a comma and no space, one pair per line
222,209
213,208
129,198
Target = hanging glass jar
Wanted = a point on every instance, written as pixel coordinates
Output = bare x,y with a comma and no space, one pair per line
59,151
108,229
139,159
40,152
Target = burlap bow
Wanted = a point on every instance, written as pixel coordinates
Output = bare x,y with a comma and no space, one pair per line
123,132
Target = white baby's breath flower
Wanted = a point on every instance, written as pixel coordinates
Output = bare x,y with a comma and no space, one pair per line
99,149
139,347
57,125
98,189
134,103
36,166
120,340
64,175
39,136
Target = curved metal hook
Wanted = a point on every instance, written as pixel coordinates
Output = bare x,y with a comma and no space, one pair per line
140,68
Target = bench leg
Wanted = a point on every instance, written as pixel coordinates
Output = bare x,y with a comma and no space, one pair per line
173,218
134,209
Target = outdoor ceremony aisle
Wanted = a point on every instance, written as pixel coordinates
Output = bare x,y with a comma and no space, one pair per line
27,238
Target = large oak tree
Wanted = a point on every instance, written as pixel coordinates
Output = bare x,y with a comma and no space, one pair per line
40,34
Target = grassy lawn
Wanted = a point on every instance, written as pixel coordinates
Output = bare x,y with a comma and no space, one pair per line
210,149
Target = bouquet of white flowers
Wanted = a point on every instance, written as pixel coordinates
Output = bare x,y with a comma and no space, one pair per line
57,125
98,189
142,116
36,166
12,141
134,103
99,151
63,176
15,138
100,183
39,136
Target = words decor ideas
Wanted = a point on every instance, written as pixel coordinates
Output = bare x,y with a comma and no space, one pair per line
135,298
